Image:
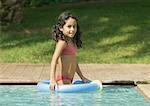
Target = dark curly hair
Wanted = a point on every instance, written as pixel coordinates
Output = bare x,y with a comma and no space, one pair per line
57,34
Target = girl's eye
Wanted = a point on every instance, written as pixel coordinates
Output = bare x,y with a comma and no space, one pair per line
74,26
69,26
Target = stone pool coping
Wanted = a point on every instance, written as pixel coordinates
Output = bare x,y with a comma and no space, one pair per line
116,74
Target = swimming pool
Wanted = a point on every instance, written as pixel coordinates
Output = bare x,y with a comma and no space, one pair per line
23,95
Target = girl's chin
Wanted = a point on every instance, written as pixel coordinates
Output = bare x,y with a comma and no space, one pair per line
71,36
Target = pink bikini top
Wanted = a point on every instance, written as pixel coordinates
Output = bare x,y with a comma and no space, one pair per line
69,49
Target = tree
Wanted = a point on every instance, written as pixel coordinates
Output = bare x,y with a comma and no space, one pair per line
11,11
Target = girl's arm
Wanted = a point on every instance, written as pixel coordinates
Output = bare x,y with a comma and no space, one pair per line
59,47
81,75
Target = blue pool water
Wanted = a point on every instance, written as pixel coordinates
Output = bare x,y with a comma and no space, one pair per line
109,96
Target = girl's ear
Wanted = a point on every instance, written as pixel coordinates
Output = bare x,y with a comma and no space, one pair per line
61,29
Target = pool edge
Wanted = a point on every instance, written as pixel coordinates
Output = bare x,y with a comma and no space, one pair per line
143,90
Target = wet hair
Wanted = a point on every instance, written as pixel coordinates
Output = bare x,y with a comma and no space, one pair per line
58,35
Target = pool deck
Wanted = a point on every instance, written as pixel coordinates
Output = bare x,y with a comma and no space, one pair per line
138,74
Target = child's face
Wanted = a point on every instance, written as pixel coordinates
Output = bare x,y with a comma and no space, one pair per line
70,27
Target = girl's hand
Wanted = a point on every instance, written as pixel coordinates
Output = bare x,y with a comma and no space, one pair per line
52,85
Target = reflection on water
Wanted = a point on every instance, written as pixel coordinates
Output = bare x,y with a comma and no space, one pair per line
75,99
110,96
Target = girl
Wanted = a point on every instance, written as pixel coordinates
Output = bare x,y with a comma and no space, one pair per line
67,35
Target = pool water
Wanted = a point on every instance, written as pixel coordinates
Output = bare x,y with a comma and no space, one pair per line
109,96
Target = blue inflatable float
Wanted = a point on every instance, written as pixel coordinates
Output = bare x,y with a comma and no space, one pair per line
76,86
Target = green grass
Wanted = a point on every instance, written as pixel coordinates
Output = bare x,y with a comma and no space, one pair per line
111,33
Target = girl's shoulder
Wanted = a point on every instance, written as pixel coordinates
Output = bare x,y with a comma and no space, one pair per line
61,43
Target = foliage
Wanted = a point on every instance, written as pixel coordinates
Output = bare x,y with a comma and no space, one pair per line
37,3
111,33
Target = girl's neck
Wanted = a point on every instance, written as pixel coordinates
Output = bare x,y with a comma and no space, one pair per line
68,39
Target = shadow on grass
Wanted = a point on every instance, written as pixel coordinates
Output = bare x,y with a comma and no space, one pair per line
21,40
127,27
112,29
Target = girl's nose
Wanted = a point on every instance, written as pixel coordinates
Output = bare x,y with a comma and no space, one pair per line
72,28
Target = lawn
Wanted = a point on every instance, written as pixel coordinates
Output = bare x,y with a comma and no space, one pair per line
112,33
